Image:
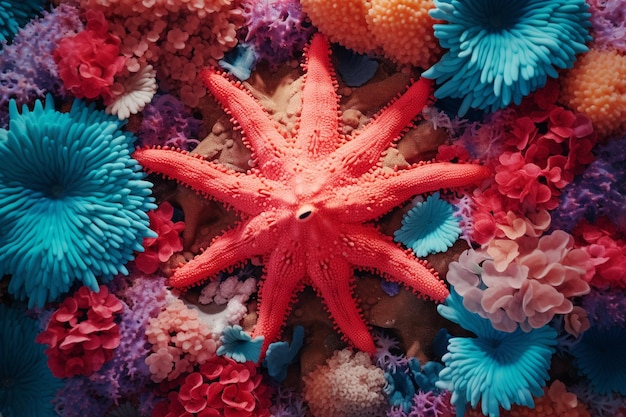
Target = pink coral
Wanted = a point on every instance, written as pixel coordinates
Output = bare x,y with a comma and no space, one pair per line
168,241
179,341
347,386
221,387
82,333
527,288
89,60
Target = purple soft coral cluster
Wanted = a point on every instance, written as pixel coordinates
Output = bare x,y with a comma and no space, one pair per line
27,68
277,29
599,191
166,121
608,18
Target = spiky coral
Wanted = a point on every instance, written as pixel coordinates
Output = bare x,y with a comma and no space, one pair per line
500,52
72,200
595,86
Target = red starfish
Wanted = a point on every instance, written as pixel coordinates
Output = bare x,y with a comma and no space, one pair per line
304,204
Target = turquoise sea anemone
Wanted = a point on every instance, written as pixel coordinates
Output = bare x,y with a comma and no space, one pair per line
27,386
15,14
500,51
495,368
73,202
429,227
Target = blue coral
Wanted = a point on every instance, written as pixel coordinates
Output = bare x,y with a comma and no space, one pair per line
280,355
500,51
600,357
429,227
26,384
496,369
399,388
73,202
15,14
239,345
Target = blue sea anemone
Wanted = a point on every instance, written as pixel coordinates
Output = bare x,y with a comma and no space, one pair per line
495,368
429,227
239,345
15,14
73,202
399,389
500,51
26,384
600,357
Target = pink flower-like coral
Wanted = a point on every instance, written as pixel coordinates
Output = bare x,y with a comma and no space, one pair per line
168,241
82,333
526,289
179,341
221,387
89,60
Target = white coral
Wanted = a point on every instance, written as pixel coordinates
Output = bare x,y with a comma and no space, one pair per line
133,95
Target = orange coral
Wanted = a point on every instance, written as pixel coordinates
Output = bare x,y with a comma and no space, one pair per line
401,30
404,30
596,86
556,402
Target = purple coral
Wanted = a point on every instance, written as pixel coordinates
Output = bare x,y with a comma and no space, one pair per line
606,308
599,191
608,18
166,121
27,68
277,29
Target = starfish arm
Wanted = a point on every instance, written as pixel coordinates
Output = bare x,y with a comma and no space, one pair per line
256,236
248,193
333,279
375,195
261,133
364,151
283,280
319,121
366,247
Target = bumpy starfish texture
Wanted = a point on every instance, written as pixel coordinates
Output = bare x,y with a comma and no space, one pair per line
305,203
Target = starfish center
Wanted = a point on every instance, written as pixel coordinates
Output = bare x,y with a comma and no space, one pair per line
305,212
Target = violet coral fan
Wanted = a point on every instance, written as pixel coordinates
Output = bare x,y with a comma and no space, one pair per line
179,341
523,282
15,14
496,369
499,52
27,386
348,385
595,86
72,200
222,387
82,334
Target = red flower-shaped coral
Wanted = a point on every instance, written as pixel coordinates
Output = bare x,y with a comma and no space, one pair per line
82,333
159,249
221,388
89,60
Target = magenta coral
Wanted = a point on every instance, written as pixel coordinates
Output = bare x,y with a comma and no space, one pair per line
158,250
179,341
82,333
523,283
89,60
221,387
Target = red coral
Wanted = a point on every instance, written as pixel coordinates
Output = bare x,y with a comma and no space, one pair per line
82,333
168,241
89,60
221,387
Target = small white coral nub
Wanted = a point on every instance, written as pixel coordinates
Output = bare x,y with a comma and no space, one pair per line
133,95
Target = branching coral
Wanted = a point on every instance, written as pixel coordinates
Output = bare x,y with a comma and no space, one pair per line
500,52
347,386
222,387
72,200
523,282
277,29
159,249
496,369
595,86
27,384
179,341
167,122
82,334
429,227
89,60
15,14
